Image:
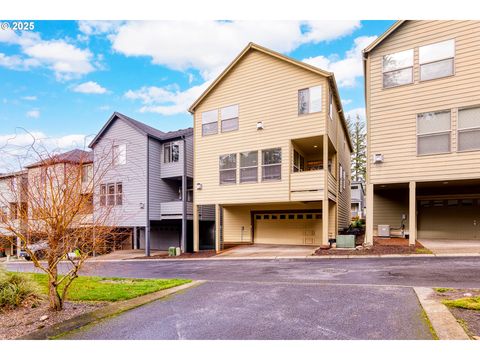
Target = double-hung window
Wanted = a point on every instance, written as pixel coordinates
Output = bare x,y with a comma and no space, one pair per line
310,100
249,166
437,60
298,162
210,122
433,132
120,154
111,194
272,164
228,169
171,152
229,118
469,129
398,69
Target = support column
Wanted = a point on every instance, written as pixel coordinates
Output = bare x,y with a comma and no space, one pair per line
325,205
183,242
369,215
147,239
217,227
135,238
412,213
196,229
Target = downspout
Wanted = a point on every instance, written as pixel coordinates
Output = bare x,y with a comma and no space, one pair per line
183,244
147,204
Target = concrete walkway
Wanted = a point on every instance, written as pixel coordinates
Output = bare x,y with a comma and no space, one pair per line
127,255
260,250
442,247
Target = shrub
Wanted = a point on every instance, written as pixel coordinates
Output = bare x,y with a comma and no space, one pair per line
17,290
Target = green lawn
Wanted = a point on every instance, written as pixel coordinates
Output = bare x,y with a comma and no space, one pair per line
471,303
94,288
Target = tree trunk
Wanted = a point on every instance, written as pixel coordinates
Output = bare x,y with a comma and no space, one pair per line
56,303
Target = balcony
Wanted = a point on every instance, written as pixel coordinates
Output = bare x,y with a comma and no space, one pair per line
307,185
174,209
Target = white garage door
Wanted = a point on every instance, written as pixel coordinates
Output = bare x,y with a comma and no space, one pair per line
449,219
288,228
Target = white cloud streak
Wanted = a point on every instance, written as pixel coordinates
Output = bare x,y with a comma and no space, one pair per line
90,87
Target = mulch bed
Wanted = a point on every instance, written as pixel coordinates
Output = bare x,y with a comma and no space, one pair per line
200,254
469,319
24,320
381,246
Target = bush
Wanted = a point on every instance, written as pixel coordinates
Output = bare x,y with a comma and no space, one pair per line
17,290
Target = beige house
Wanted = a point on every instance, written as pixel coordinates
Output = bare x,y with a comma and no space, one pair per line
422,82
272,153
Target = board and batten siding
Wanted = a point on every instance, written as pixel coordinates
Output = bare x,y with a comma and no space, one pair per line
265,89
392,112
132,175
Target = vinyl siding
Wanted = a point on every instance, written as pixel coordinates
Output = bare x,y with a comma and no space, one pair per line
156,185
389,207
392,112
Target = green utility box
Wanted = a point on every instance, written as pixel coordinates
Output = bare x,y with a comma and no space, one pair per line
346,241
172,251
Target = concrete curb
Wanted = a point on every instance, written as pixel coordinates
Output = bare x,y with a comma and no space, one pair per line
109,310
442,320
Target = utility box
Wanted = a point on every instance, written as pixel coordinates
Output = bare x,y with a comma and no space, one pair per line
345,241
172,251
383,230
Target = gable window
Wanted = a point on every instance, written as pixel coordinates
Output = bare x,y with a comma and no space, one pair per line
310,100
433,132
249,166
87,173
229,118
210,122
298,162
120,154
111,194
469,129
437,60
171,152
228,169
330,105
272,164
398,69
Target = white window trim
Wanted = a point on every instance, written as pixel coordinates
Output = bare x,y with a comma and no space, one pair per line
435,133
399,69
211,122
309,102
437,60
170,145
231,118
115,194
464,130
116,154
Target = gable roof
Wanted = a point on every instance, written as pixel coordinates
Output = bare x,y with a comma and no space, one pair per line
382,37
75,156
252,46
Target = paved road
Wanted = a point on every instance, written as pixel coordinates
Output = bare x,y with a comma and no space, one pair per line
283,299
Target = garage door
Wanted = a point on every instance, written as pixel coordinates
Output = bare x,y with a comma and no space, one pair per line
449,219
288,228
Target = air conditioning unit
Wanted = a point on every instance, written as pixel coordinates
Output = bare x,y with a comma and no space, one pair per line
383,230
377,158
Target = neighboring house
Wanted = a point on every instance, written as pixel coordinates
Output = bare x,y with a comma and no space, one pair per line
146,182
358,199
272,153
422,82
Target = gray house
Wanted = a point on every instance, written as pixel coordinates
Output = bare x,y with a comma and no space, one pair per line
358,199
146,183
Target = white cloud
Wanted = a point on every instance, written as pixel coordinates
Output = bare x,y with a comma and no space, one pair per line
94,27
208,46
354,112
346,69
104,107
168,100
90,87
29,98
346,101
35,114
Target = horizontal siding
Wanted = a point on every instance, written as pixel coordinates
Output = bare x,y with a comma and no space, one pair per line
155,183
388,208
307,180
392,112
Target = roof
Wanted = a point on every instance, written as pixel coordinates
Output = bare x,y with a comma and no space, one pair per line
252,46
382,37
142,128
12,174
75,156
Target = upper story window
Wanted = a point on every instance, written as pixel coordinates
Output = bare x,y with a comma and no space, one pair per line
249,166
111,194
341,177
210,122
398,69
87,173
437,60
469,129
433,132
272,164
120,154
298,162
171,152
228,169
229,118
330,105
310,100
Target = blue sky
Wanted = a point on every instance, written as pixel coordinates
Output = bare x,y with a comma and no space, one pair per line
63,80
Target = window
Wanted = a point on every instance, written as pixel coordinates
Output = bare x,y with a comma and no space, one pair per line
398,69
228,169
171,152
330,105
103,195
469,129
298,162
249,166
436,60
120,154
433,133
229,118
14,211
87,173
111,194
272,164
340,177
210,122
310,100
119,194
4,214
87,204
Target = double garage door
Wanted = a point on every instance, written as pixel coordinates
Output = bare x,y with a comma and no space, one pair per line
287,228
451,219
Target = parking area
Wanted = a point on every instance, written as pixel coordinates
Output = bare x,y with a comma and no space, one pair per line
263,250
445,247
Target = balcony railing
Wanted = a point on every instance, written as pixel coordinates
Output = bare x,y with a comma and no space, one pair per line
175,208
307,185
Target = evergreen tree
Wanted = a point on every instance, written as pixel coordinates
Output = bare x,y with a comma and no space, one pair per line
358,134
